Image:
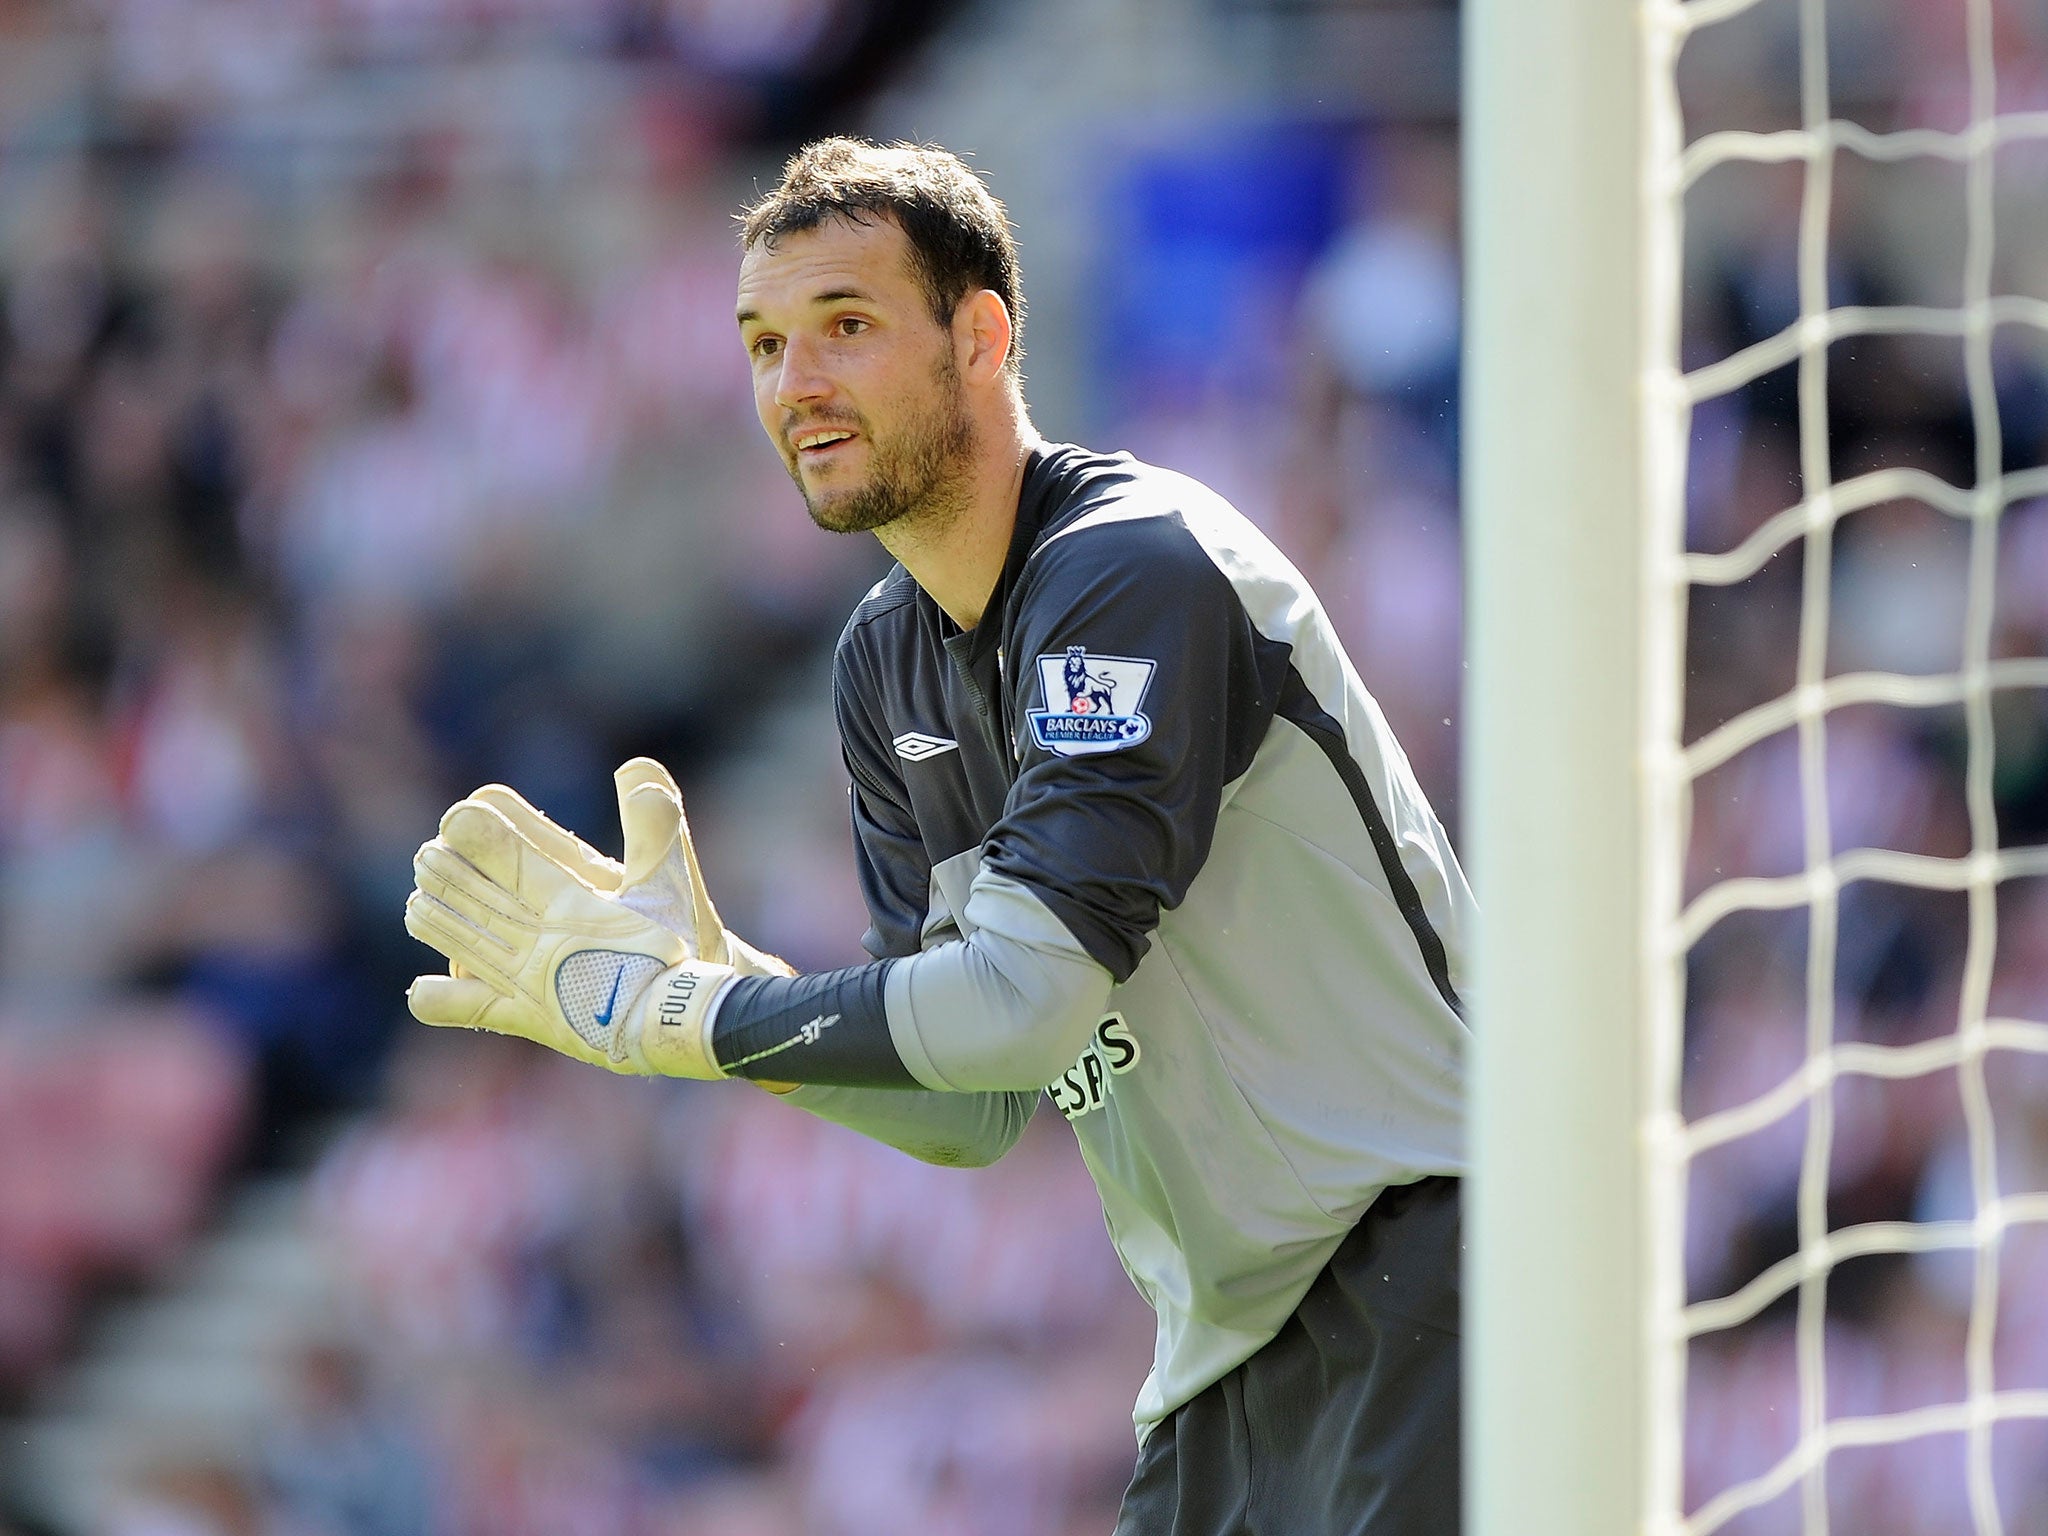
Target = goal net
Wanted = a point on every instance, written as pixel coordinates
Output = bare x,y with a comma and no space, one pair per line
1822,1274
1853,1110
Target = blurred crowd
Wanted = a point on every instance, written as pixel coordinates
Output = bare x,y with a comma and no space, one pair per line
354,452
290,559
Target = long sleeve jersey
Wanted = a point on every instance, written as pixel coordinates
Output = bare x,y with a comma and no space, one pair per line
1152,764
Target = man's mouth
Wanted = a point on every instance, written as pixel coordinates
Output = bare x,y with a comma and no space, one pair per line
815,443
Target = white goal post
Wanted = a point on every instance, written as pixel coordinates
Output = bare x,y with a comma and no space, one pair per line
1554,805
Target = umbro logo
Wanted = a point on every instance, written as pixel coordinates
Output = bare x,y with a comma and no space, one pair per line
915,746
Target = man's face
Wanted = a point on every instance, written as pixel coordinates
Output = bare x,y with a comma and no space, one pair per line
854,380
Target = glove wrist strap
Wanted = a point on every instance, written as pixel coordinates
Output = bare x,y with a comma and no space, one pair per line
668,1032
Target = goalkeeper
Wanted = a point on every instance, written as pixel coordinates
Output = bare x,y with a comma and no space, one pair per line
1130,833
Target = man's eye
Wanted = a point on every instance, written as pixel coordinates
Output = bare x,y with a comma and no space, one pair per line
765,346
850,325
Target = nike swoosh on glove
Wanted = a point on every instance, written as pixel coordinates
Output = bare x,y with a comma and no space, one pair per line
534,951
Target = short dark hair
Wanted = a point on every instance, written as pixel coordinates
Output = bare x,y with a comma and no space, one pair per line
959,235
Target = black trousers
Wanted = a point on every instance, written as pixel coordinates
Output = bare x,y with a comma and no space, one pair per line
1346,1423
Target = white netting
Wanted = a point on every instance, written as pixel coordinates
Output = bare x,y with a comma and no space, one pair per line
1741,1442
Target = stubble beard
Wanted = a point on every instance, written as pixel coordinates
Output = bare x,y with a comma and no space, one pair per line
919,478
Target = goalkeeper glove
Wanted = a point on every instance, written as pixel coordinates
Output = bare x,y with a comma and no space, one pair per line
658,878
535,952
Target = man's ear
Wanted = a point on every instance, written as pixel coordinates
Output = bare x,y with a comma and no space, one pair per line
981,335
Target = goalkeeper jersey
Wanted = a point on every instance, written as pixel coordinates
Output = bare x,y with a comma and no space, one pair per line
1154,731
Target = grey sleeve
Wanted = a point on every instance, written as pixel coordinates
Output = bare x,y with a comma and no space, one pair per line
981,1024
984,1021
955,1130
1007,1008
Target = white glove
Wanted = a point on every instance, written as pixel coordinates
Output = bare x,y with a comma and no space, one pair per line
534,951
659,877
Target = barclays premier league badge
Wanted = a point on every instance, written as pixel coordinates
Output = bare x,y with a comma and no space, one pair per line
1091,703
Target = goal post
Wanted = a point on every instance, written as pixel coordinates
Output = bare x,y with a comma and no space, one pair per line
1555,800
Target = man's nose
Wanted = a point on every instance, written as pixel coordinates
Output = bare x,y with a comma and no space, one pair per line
798,379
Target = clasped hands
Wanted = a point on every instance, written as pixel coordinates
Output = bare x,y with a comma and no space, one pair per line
615,963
